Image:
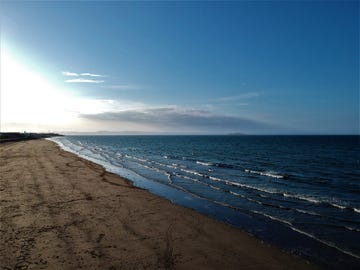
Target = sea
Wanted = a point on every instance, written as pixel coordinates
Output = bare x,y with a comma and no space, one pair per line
300,193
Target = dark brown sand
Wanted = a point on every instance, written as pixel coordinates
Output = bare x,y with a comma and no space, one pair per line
59,211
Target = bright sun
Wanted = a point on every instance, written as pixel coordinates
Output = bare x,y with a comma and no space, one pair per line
28,100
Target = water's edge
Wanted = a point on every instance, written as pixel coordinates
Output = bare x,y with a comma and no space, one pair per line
268,231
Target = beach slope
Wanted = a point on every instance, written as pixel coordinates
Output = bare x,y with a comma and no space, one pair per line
59,211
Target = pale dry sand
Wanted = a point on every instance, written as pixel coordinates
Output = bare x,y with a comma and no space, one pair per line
59,211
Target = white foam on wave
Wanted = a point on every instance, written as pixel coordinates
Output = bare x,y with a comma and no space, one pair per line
236,184
227,182
188,178
269,174
338,206
205,163
315,200
193,172
223,190
172,166
213,187
302,197
236,194
307,212
137,158
245,197
200,182
218,188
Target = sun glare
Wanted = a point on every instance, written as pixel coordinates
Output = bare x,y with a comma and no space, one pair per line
28,99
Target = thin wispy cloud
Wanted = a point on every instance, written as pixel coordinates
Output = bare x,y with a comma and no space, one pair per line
91,74
67,73
82,80
76,74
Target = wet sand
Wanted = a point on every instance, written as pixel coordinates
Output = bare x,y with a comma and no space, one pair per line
59,211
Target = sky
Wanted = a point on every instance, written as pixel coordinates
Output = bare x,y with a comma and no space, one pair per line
251,67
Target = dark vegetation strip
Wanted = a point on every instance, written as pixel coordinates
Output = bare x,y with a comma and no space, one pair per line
17,136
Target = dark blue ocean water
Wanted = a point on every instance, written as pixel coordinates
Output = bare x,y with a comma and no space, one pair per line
301,193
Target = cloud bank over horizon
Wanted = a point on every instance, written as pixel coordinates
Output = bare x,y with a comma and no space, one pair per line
174,118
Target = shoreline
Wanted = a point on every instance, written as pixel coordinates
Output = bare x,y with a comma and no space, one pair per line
67,212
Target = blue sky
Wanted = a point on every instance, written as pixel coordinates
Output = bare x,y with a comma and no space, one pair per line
182,67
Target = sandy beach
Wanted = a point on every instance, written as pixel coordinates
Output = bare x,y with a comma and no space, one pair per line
59,211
